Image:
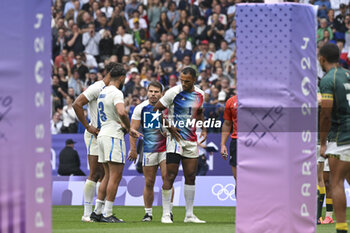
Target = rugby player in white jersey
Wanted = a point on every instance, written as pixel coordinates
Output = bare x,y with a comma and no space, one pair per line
89,96
112,151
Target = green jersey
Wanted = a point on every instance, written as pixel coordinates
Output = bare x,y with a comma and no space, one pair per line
335,85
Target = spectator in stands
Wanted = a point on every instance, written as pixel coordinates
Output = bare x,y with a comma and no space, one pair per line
323,27
62,75
59,23
69,161
56,123
75,41
107,9
130,8
172,14
216,31
181,36
106,45
182,51
139,34
163,26
224,53
118,19
125,40
167,64
221,17
323,7
69,117
153,14
91,40
204,57
57,93
343,54
136,18
92,77
129,87
59,43
75,83
200,30
183,21
339,23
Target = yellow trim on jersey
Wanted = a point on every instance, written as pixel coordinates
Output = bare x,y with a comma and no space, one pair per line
326,96
329,201
342,226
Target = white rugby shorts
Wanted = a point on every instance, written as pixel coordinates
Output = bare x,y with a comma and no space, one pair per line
111,150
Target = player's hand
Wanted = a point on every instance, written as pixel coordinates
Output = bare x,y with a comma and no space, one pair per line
135,134
132,156
224,151
175,133
93,130
323,151
203,135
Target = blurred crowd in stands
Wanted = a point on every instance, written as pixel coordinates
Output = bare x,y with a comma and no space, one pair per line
154,40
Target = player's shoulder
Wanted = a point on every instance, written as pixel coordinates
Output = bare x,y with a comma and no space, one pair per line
174,90
200,91
231,101
97,85
142,105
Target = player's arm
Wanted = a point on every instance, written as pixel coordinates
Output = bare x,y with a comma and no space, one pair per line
226,128
159,107
123,115
225,133
135,124
79,111
325,120
200,113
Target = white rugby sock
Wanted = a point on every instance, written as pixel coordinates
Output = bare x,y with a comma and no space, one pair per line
97,186
89,193
98,206
189,191
108,208
166,196
148,211
329,214
171,207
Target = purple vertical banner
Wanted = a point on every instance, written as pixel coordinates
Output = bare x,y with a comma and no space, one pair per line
25,139
277,118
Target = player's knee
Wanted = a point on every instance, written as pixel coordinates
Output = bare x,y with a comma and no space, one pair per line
171,176
190,179
149,184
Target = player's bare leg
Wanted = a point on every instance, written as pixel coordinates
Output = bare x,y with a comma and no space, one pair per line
190,170
115,176
148,192
234,172
339,171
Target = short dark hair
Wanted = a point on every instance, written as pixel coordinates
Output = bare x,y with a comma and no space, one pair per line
330,52
155,84
110,66
189,70
117,71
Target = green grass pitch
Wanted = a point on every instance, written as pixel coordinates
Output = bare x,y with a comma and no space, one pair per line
66,219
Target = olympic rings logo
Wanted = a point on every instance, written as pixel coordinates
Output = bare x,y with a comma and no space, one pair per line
224,192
